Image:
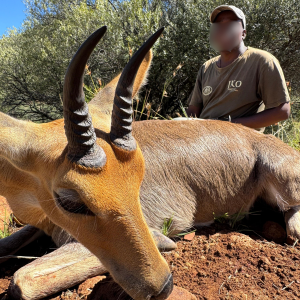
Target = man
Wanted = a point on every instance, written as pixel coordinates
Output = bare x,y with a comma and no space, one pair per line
243,85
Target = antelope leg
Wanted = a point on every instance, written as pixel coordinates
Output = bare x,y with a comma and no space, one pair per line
18,240
292,221
63,268
162,242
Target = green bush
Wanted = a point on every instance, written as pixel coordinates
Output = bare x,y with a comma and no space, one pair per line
33,59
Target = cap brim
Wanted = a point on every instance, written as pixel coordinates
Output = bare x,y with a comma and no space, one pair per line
219,9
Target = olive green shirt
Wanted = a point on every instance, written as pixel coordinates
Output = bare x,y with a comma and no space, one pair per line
250,84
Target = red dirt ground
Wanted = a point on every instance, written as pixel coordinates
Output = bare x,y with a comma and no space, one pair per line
218,263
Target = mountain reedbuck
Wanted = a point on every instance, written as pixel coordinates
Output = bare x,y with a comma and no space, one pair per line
98,179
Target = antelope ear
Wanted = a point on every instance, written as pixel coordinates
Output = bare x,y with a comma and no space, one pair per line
105,98
17,142
142,74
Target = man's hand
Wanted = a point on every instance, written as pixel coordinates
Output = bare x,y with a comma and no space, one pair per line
193,111
267,117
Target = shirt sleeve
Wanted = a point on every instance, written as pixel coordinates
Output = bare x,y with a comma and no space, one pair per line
272,86
196,95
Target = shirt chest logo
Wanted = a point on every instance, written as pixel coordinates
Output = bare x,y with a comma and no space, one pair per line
207,90
233,85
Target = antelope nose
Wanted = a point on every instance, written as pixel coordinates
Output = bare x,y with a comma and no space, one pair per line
166,291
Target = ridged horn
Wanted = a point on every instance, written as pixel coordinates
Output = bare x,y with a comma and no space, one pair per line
121,123
82,147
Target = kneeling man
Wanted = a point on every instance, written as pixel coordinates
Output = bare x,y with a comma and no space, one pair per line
243,84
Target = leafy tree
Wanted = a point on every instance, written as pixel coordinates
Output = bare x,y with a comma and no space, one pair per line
33,59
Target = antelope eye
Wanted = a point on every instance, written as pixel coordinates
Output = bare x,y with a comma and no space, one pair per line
70,201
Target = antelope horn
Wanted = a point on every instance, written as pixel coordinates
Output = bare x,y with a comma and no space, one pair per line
82,147
121,124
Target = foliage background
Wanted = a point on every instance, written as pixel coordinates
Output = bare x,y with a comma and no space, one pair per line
34,58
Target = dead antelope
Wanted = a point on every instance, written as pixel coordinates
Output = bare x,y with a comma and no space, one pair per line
87,180
84,177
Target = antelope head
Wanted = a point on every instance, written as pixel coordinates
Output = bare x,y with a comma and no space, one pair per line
92,176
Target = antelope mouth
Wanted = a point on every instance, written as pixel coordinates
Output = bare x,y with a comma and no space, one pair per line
166,290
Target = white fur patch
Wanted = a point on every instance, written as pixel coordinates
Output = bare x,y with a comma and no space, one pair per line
276,198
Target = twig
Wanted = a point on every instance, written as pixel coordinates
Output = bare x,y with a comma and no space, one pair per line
112,5
18,257
295,243
221,287
287,286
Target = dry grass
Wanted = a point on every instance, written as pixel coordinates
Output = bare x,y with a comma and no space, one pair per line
6,225
288,131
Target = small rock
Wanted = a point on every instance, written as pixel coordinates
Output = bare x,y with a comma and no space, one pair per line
189,237
273,231
179,293
265,260
242,241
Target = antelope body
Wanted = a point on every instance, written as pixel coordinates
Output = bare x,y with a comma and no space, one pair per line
106,182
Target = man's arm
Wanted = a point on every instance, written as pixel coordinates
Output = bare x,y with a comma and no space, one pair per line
267,117
273,91
193,111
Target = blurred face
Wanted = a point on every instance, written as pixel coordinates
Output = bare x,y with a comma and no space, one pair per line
227,32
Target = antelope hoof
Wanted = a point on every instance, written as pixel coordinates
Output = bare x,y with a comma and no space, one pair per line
162,242
18,240
292,221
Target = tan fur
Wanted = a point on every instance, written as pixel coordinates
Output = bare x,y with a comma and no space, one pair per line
216,167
